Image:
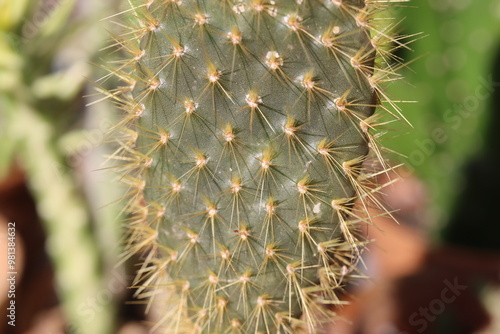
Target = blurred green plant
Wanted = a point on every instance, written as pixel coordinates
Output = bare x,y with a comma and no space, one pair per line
45,53
452,85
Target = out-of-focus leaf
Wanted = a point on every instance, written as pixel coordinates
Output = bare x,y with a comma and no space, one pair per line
7,144
12,12
10,65
62,85
58,18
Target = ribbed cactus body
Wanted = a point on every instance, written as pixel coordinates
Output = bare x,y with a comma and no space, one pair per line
246,129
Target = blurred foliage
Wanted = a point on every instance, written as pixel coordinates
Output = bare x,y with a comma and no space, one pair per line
474,220
45,52
449,76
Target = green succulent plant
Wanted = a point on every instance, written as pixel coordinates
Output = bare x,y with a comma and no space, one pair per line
43,70
246,137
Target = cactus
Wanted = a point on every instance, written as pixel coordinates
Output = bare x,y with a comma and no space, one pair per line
244,139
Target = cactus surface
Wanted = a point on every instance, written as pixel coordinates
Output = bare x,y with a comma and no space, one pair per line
246,125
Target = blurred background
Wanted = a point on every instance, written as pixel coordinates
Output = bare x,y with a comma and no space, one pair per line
437,271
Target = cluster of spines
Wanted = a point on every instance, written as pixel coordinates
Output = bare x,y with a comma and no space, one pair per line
141,151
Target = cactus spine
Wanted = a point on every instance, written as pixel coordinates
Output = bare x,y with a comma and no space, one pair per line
246,125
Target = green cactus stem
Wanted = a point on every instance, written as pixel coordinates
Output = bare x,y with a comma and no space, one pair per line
245,129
